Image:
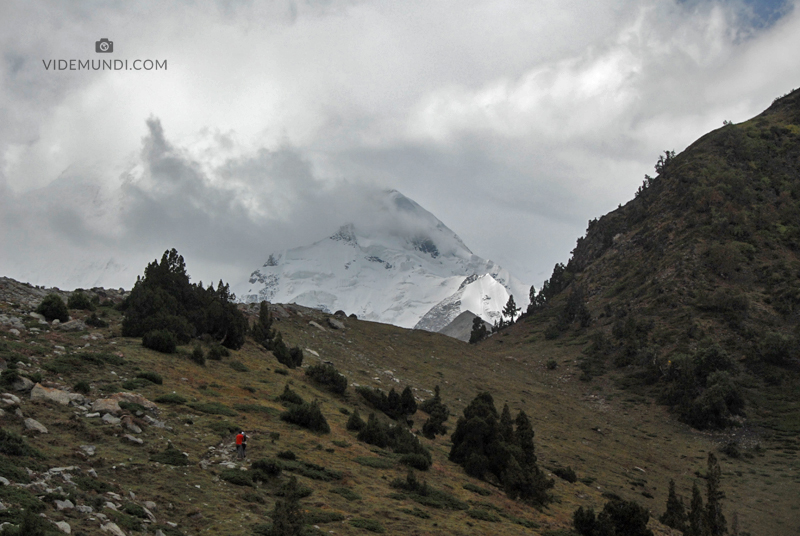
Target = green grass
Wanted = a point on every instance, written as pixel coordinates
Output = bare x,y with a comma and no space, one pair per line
347,493
375,463
213,408
368,524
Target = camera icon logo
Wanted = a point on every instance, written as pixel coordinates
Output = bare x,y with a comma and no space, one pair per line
104,45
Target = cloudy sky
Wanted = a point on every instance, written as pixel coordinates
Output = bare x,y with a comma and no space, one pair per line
514,122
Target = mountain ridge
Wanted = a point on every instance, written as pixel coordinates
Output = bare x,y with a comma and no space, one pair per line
395,269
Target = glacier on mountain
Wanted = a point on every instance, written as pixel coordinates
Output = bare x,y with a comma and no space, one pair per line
400,266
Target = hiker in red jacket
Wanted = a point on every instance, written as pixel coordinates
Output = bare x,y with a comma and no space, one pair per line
240,445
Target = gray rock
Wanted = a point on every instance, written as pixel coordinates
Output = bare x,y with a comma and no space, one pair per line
64,505
128,423
113,529
110,419
9,400
36,315
159,533
18,413
33,424
133,439
4,481
64,527
2,412
56,323
150,505
335,324
84,509
39,392
73,325
92,472
149,515
22,384
314,324
89,450
2,507
106,405
14,331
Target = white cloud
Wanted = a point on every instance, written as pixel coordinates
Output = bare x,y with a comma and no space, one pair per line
494,115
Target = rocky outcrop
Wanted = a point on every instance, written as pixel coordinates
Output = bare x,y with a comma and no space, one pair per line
39,392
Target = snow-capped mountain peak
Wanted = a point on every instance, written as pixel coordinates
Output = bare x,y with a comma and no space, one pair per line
395,269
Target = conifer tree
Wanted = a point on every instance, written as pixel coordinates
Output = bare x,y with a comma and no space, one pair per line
408,406
506,425
478,332
717,525
675,516
697,515
287,518
510,310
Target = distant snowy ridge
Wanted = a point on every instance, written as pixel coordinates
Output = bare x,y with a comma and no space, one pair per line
403,267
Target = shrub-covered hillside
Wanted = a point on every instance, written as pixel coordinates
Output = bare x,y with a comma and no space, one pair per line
694,285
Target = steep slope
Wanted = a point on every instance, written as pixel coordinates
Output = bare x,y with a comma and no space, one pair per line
394,270
616,446
694,285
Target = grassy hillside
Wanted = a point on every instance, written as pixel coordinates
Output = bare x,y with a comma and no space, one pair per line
617,443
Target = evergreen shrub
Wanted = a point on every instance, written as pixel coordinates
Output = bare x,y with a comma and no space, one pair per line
161,341
53,308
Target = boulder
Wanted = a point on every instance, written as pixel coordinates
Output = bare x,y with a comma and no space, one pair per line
22,384
150,505
335,324
4,481
133,439
113,529
314,324
64,505
89,450
135,399
107,405
110,419
7,399
39,392
33,424
73,325
149,514
64,527
128,423
84,509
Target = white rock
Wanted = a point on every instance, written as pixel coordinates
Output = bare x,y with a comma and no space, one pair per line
149,515
4,481
33,424
89,450
92,415
133,439
10,400
110,419
73,325
150,505
14,331
84,509
113,529
64,527
64,505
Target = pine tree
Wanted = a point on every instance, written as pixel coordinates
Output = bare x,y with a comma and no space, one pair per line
675,516
714,495
697,515
478,330
510,310
506,425
287,518
408,406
